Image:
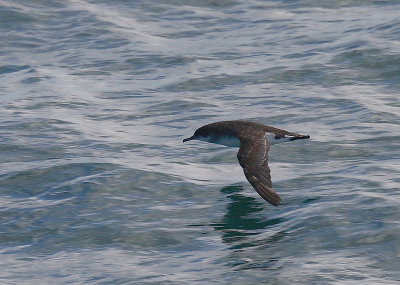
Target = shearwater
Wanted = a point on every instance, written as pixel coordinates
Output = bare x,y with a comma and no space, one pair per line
253,140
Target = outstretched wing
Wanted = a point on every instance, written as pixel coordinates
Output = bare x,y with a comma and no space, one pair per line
253,157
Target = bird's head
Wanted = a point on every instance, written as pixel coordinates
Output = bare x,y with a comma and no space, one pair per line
201,134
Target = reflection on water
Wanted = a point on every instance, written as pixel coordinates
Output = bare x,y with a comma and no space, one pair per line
248,231
243,218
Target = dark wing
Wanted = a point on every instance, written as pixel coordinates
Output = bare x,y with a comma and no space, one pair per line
253,157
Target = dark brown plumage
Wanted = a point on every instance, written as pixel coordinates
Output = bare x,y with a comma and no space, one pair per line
253,151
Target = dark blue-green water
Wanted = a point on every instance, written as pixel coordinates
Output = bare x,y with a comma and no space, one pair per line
96,186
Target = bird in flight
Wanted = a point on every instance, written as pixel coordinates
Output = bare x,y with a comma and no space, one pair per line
253,141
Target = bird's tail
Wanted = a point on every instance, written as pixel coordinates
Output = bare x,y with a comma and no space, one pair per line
299,137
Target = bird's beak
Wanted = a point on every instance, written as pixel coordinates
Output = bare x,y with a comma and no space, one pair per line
187,139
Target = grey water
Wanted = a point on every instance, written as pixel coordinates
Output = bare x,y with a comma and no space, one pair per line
96,186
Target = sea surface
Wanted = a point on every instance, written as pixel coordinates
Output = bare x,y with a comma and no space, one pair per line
96,186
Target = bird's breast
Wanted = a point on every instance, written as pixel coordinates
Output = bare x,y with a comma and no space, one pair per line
231,141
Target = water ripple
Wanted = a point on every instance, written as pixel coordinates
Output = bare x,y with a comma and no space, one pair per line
97,187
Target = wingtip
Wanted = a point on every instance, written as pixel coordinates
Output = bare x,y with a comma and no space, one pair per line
271,197
268,194
276,202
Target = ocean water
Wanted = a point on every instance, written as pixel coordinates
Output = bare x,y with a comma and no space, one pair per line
96,186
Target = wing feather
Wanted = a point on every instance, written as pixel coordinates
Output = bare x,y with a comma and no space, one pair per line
253,157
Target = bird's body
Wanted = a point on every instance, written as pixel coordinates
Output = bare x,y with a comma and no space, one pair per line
253,140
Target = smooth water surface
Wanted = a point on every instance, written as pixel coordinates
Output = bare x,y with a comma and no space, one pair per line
97,187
